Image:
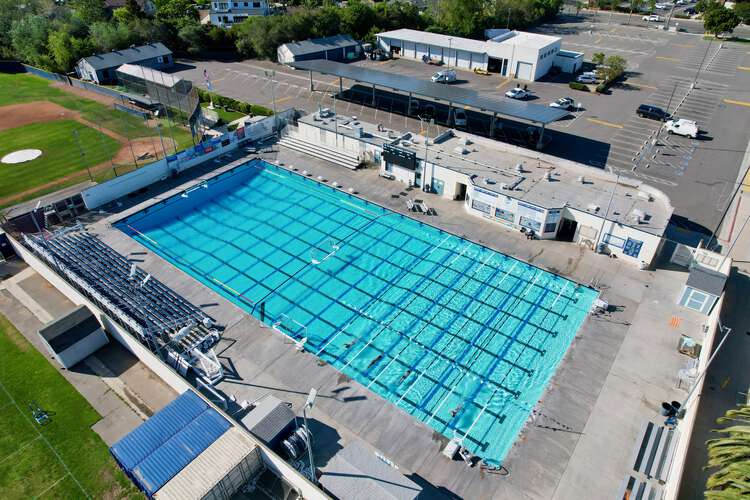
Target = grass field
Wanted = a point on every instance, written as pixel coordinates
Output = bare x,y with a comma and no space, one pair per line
63,459
226,116
60,153
23,87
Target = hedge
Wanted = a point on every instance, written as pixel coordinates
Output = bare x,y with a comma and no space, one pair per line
233,104
578,86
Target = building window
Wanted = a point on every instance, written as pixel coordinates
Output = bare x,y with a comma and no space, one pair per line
235,5
245,4
632,247
614,241
550,228
529,223
505,214
695,300
256,5
481,206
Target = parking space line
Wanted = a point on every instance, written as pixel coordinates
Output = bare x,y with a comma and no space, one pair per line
664,58
284,99
738,103
684,45
506,82
641,85
606,124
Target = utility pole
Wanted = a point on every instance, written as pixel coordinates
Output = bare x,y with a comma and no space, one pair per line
271,74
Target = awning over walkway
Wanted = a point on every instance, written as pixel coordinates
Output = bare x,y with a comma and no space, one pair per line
502,106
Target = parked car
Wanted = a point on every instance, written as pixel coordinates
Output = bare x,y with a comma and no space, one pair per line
458,117
444,76
663,6
653,18
690,11
517,93
586,79
432,60
481,71
680,126
652,112
566,103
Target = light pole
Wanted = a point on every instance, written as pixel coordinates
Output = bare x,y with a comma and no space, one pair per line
726,331
450,44
83,155
308,405
606,214
271,74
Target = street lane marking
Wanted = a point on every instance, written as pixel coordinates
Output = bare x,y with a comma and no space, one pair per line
738,103
284,99
684,45
602,122
663,58
744,68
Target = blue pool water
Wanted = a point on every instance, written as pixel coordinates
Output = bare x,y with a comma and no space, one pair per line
461,337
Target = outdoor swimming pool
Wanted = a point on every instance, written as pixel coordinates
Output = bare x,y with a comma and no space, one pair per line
460,336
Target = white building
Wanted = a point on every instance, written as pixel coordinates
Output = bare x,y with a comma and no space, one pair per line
225,13
516,54
513,187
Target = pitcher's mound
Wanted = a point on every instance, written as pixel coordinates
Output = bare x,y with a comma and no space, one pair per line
21,156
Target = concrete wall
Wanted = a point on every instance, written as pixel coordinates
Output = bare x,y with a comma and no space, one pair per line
82,349
685,426
118,187
114,329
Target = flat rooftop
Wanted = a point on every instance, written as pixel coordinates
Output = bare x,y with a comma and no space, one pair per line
518,38
493,165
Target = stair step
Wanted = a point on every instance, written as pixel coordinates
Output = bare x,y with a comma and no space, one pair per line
331,155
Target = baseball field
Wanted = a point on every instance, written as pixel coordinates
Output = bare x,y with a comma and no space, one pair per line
80,134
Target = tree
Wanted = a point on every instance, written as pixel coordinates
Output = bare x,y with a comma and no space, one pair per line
729,456
718,19
106,37
192,36
597,58
742,9
703,5
460,17
134,8
579,6
651,6
29,39
172,10
635,5
61,50
613,68
357,19
89,11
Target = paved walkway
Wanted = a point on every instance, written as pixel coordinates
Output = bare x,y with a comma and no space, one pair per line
619,369
112,380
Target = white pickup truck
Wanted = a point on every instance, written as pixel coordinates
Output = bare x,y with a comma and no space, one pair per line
680,126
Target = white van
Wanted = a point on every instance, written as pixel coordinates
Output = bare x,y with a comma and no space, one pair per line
458,117
444,76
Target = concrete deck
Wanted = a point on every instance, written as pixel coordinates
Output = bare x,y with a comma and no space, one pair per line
617,371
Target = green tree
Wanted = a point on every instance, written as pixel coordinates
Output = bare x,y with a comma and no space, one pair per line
729,457
597,58
29,39
613,67
89,11
172,10
651,6
357,19
61,50
193,37
134,8
703,5
718,19
106,37
742,9
460,17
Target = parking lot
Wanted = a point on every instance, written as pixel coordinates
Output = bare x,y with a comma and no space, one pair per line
705,81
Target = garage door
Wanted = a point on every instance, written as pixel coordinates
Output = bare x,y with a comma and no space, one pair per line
422,50
409,50
523,71
464,59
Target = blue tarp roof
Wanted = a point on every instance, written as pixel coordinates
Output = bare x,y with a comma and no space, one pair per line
163,445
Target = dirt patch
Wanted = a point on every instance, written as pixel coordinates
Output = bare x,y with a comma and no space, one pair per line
87,94
18,115
145,149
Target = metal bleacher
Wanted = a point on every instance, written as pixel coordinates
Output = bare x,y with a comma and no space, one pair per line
149,309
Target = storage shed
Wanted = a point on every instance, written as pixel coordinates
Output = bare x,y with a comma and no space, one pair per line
100,68
73,337
568,61
703,288
340,48
154,452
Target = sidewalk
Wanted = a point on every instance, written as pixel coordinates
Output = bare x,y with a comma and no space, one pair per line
112,380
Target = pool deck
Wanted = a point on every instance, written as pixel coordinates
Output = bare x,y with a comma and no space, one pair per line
618,370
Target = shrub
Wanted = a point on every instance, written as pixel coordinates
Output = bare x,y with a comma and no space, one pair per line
233,104
578,86
602,88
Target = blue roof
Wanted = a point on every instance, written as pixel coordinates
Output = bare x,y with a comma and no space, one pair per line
163,445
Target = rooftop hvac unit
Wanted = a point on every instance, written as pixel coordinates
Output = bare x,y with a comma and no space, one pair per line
593,207
581,179
548,176
504,185
357,130
638,215
519,168
489,181
461,150
465,141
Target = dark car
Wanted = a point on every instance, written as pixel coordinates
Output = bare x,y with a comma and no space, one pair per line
690,11
652,112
